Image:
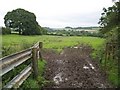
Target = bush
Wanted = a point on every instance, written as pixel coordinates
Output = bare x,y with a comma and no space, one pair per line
6,30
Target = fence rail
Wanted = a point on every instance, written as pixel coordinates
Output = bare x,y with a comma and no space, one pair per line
18,80
14,60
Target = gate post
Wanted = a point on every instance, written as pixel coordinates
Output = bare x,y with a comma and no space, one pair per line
34,62
40,47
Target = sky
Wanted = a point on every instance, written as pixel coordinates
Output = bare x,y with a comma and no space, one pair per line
59,13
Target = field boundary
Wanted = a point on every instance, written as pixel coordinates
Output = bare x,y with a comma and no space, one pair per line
110,51
14,60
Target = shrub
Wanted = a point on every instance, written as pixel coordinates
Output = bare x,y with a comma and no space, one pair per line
6,30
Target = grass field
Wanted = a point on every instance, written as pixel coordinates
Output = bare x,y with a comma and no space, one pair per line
19,42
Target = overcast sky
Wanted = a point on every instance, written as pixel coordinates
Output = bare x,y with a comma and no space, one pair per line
59,13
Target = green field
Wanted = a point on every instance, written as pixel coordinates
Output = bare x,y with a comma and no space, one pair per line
14,43
18,42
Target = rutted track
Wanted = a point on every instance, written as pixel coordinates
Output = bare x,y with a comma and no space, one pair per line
73,68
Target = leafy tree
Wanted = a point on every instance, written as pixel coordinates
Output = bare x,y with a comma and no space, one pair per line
110,22
22,21
109,18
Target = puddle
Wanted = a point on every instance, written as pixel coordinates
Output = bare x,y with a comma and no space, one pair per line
85,67
57,79
77,84
75,47
60,61
92,66
62,53
100,85
66,79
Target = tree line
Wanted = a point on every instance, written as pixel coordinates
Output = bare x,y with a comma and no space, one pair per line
110,27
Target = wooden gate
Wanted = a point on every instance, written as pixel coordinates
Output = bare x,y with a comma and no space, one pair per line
9,63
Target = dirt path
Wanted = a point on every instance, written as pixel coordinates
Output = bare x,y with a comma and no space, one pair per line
73,68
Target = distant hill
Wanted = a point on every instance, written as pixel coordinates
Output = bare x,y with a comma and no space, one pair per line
73,29
85,27
48,29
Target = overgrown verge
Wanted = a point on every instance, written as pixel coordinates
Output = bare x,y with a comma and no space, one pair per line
40,81
109,66
14,47
110,27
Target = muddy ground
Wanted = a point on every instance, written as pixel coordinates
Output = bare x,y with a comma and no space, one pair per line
73,68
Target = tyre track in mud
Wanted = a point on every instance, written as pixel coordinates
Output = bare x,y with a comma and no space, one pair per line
73,68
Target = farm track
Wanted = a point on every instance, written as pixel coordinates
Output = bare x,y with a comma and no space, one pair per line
73,68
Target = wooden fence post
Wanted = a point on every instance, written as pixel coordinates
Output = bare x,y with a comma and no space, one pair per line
40,47
106,54
34,62
40,44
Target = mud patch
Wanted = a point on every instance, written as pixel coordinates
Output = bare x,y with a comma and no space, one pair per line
73,68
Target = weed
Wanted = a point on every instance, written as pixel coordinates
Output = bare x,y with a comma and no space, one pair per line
30,83
41,80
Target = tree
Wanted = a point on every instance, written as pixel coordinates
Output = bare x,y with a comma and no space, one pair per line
110,18
43,30
22,21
